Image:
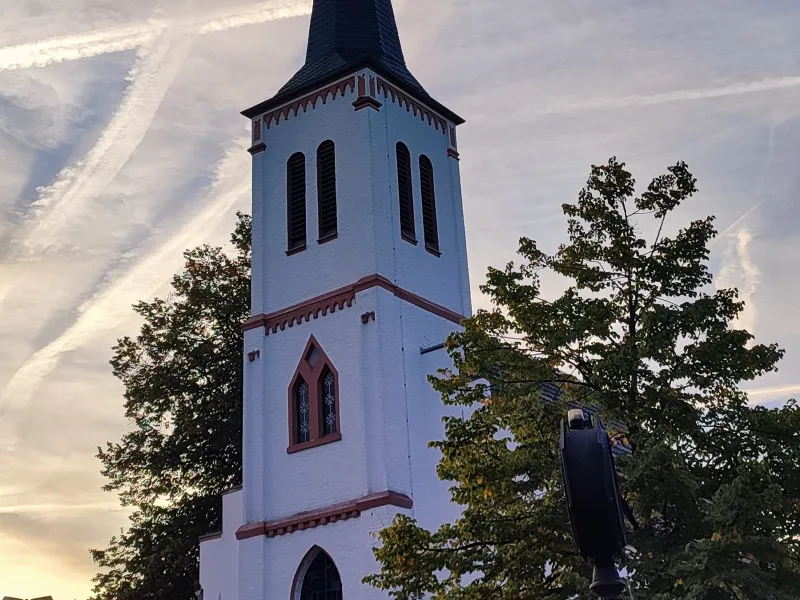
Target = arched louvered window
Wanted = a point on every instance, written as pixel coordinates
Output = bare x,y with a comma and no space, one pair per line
405,193
326,190
314,401
428,195
296,202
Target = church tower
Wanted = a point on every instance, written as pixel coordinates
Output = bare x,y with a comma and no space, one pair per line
359,275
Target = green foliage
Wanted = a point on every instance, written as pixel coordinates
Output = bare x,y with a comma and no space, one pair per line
713,482
183,395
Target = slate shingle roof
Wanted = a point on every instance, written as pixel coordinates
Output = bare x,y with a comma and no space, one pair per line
344,36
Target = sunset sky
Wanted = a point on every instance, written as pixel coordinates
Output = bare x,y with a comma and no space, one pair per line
121,145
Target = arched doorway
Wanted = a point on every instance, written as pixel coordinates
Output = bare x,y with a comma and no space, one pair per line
317,578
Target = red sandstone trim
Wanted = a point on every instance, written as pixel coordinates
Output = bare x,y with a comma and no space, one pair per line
257,148
453,154
337,300
333,90
210,536
328,439
410,104
311,519
367,102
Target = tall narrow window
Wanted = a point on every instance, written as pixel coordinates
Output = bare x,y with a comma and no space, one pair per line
428,194
405,193
326,190
296,202
302,407
314,401
327,399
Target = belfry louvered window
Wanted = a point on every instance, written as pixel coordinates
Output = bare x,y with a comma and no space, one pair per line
405,193
326,190
428,195
296,202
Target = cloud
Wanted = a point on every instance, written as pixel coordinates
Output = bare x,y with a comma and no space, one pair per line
112,304
129,37
739,271
77,186
636,100
152,75
773,391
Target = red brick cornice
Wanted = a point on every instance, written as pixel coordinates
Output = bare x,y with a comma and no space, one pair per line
274,117
337,300
331,514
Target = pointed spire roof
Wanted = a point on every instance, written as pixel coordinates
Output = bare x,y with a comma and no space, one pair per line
344,36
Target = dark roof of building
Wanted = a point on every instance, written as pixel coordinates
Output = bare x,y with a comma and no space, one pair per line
344,36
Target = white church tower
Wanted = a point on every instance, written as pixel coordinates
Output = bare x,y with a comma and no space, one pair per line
359,275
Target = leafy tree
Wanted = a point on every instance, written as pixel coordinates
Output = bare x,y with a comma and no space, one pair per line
183,395
713,482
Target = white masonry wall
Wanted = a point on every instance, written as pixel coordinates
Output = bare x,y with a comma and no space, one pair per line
219,557
369,233
388,410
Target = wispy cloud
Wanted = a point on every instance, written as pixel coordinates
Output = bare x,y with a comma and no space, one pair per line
634,100
78,185
738,270
112,304
129,37
773,391
59,508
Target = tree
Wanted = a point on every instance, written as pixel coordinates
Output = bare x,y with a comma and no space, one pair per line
714,483
183,395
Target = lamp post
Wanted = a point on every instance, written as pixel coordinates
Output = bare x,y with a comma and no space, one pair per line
593,500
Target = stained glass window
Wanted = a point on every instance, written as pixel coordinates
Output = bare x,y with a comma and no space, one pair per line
322,580
302,412
328,402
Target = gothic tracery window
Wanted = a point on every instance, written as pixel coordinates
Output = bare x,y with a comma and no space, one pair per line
313,401
328,402
302,412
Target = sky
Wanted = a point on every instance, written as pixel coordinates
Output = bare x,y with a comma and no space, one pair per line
121,145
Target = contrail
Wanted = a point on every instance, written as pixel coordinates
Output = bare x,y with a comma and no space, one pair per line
129,37
113,304
635,100
78,185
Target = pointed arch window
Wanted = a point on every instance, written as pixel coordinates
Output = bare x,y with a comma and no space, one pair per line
428,194
326,191
314,401
405,194
296,202
317,578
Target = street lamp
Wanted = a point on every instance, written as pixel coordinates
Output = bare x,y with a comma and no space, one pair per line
594,501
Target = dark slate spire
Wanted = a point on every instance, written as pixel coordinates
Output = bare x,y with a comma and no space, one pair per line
347,32
344,36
